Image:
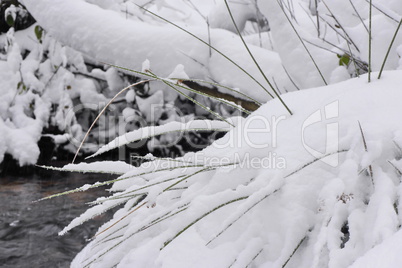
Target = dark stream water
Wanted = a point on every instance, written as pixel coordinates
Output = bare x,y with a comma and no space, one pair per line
29,231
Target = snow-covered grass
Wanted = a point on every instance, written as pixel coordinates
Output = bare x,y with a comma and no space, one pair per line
319,187
260,196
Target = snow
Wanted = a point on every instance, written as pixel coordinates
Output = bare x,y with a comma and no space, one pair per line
272,208
386,255
115,167
22,115
148,132
151,42
318,188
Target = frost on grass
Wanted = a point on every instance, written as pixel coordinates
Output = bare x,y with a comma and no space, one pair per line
260,198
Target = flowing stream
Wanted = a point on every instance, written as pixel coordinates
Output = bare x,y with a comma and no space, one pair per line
29,231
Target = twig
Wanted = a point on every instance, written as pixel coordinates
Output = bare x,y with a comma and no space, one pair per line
248,105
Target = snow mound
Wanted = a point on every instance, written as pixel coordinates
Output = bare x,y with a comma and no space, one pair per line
319,188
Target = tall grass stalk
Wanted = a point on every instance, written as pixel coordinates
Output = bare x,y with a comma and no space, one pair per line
294,251
101,112
119,220
382,11
358,15
210,46
203,216
370,33
389,48
370,168
98,184
255,61
302,42
244,212
346,35
318,18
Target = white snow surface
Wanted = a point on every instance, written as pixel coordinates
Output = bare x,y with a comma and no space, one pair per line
384,255
319,188
116,167
273,190
108,37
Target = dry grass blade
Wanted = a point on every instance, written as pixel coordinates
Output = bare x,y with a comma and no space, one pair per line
103,110
318,18
255,61
389,48
211,47
294,251
313,161
119,220
396,168
255,257
302,42
346,35
201,217
370,169
246,211
382,11
357,14
369,48
348,38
